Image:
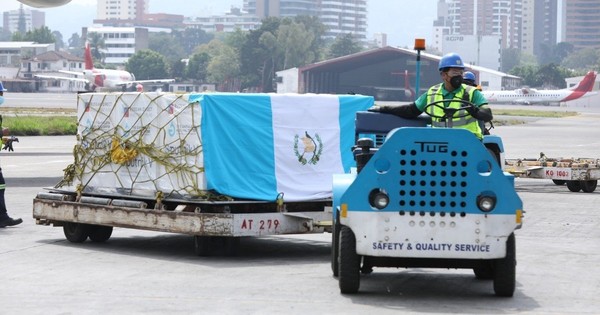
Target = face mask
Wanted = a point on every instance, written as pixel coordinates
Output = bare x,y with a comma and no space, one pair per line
456,81
1,100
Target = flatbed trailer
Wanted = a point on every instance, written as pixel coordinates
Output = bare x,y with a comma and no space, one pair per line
579,174
217,226
217,166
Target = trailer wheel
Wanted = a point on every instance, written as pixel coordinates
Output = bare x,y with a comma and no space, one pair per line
589,186
485,271
574,185
100,233
76,232
559,182
349,262
203,245
505,270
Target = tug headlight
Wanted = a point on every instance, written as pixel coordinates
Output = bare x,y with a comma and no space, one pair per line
486,203
378,199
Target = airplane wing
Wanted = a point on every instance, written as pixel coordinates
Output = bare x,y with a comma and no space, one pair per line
146,81
55,77
70,72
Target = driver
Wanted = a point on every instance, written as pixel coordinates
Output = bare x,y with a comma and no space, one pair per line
451,70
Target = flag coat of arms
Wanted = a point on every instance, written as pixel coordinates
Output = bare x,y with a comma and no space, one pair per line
257,146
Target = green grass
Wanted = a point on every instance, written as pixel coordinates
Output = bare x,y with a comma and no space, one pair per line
30,125
531,113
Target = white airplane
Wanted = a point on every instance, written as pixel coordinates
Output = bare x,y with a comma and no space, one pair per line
102,79
44,3
529,96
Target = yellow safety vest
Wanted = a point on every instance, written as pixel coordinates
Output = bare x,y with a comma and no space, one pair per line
467,122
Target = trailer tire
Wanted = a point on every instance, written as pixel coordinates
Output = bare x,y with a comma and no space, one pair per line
99,233
589,186
559,182
76,232
574,185
505,270
349,262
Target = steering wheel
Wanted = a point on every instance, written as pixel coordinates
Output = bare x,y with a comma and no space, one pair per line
449,111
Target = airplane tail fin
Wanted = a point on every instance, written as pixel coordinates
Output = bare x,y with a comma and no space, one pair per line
89,62
587,83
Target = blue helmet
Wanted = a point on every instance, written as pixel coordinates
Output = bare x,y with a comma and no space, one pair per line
451,60
2,89
468,75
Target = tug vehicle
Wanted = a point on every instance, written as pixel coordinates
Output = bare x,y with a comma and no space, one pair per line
425,197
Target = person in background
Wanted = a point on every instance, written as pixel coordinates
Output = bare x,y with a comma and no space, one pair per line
469,79
451,70
5,220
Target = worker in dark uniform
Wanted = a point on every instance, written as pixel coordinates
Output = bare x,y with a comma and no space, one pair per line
5,220
451,70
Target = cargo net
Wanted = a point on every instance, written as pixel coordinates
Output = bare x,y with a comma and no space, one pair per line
138,144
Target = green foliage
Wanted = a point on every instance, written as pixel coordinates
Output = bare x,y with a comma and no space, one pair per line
344,45
277,45
223,61
97,44
41,35
547,76
583,60
197,66
147,64
190,38
166,45
555,53
40,125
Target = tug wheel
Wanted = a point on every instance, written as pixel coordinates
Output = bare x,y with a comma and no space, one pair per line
349,262
505,270
559,182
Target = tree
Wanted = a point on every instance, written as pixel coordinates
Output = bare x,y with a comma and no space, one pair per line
190,38
177,69
41,35
196,68
554,53
553,76
75,45
167,45
511,57
147,64
584,60
96,46
223,62
529,75
344,45
58,43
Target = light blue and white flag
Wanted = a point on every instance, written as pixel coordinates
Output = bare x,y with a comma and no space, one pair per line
257,146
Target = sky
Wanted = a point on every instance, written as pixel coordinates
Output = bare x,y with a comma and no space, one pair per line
402,21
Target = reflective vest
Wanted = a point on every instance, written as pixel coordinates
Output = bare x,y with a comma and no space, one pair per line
467,122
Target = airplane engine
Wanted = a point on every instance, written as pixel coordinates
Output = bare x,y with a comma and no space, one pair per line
44,3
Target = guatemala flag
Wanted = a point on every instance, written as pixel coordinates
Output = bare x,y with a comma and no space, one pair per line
257,146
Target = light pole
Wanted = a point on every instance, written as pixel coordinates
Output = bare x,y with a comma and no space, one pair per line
419,45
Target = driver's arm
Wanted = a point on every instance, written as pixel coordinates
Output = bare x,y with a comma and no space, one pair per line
480,111
412,110
404,111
